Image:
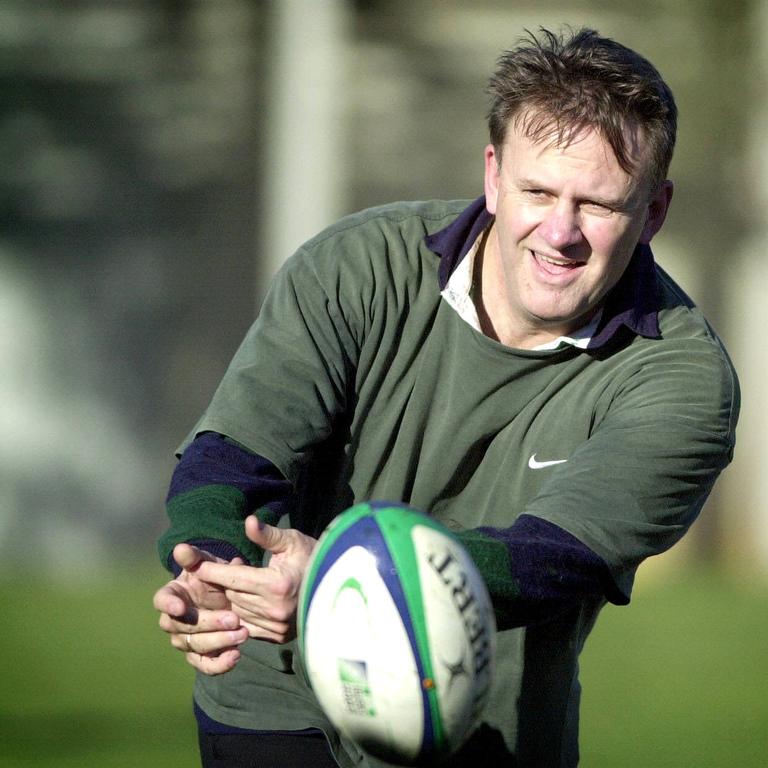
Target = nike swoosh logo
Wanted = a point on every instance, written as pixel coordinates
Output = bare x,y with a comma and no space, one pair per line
533,464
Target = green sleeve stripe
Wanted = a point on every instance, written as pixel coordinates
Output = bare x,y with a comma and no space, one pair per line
492,560
212,512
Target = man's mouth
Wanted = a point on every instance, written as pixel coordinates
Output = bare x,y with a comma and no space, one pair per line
555,265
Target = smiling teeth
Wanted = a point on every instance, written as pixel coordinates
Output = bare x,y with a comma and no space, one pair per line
556,262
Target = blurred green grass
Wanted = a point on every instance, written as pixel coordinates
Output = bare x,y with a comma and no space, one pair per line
676,679
89,679
679,677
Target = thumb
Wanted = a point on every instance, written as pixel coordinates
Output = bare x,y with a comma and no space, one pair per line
267,536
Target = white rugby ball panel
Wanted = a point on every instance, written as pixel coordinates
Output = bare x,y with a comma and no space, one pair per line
358,654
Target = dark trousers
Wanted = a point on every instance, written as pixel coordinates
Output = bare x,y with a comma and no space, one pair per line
265,750
309,749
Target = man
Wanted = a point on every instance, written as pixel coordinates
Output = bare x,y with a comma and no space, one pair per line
517,366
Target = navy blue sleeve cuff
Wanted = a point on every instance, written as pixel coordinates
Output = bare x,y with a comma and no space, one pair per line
550,562
534,570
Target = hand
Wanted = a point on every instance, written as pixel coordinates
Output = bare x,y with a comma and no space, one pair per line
266,598
198,616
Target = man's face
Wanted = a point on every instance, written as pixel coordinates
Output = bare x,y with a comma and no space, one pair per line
568,219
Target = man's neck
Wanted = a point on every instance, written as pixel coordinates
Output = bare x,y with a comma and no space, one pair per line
491,304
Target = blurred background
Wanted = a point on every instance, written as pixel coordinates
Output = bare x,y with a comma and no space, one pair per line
159,159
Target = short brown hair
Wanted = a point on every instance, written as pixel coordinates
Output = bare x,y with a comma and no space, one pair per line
557,85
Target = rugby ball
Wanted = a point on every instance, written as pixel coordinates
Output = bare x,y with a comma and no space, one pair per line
397,633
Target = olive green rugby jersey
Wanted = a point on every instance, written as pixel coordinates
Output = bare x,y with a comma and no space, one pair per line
358,381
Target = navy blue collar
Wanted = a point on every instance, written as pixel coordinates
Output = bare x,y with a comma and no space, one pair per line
632,303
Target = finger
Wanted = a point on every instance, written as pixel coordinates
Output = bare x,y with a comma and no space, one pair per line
188,556
171,599
266,536
206,621
272,632
240,578
273,608
263,628
209,642
214,664
264,589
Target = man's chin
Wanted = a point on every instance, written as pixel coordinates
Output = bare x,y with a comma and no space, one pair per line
560,323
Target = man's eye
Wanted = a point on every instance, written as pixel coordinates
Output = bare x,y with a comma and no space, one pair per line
599,208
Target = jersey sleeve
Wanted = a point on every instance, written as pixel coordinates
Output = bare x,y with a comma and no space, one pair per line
661,438
289,382
659,442
534,570
215,486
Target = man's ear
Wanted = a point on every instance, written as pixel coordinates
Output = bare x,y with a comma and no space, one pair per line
491,183
657,211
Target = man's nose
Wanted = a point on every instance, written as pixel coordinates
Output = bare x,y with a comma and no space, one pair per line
561,226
